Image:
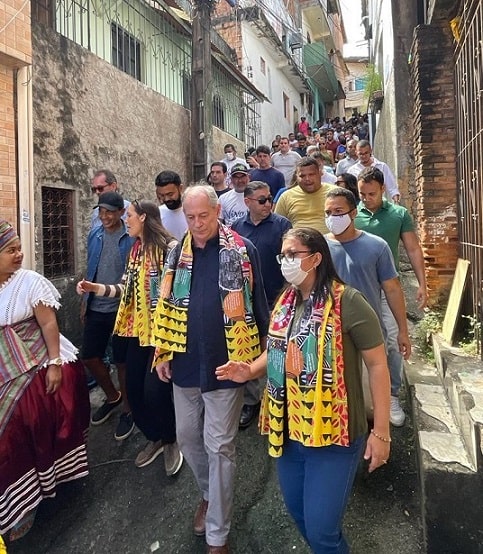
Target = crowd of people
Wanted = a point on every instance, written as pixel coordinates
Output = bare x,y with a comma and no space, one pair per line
293,251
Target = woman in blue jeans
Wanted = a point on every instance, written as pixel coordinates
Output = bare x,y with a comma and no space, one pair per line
313,410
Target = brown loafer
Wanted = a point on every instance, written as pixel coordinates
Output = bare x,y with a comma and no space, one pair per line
217,549
199,519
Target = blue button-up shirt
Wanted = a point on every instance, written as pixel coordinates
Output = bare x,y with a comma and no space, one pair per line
206,343
267,237
95,242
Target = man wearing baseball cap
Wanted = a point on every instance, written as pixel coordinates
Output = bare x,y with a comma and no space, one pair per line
233,203
107,249
102,182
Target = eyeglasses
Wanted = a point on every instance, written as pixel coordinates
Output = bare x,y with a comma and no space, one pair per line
263,199
99,188
290,256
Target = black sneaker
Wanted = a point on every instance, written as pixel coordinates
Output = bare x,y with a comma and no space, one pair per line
124,427
104,412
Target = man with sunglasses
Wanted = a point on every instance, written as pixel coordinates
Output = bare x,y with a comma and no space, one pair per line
104,181
266,230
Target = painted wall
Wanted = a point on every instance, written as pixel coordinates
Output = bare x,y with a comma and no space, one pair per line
273,84
88,115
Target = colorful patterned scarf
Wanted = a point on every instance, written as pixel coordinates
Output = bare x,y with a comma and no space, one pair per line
139,297
235,283
305,374
22,349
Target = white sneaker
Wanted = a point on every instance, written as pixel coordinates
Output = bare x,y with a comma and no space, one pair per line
396,415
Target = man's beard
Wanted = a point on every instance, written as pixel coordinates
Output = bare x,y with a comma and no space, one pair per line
173,204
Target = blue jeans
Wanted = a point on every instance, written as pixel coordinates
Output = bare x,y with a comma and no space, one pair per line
316,484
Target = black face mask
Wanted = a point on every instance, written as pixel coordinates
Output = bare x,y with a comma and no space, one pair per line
173,204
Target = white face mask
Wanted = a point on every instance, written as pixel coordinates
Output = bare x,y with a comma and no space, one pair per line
337,224
292,271
230,156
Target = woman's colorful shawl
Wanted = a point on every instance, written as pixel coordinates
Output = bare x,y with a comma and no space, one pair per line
139,296
305,375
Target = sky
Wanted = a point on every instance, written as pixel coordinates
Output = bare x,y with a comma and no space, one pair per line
351,15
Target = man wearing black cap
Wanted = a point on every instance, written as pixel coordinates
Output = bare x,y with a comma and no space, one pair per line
104,181
107,250
233,203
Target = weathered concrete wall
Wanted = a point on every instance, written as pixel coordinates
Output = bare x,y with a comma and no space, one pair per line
394,139
89,115
386,139
220,138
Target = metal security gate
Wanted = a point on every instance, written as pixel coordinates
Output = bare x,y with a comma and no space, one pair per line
469,146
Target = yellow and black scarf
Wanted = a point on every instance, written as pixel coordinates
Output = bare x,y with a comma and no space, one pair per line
235,283
305,374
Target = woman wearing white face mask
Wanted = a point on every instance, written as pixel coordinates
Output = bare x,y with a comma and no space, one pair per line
313,410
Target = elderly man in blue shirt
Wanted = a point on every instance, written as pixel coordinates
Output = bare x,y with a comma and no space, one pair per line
212,309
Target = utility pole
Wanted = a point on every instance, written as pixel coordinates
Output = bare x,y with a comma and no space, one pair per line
201,89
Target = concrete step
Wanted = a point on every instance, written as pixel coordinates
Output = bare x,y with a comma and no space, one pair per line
449,454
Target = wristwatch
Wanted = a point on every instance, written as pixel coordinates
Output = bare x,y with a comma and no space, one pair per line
55,361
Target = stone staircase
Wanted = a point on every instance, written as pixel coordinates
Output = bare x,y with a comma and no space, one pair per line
446,402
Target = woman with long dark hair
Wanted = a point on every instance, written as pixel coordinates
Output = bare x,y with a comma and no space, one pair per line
349,182
313,410
149,397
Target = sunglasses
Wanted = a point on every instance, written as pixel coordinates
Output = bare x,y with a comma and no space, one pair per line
263,199
99,189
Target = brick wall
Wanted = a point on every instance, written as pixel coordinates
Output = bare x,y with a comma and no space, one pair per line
15,51
435,155
229,28
8,173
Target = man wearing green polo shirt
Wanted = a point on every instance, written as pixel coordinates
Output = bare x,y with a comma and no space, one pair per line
393,223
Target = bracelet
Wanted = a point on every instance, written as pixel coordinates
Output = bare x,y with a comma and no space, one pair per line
380,437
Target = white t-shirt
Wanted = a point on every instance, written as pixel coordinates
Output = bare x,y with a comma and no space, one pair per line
328,178
286,163
173,221
232,206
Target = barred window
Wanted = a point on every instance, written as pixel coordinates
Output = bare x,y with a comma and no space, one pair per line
218,112
126,51
58,232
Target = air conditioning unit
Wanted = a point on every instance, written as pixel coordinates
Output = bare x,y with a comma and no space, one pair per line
295,41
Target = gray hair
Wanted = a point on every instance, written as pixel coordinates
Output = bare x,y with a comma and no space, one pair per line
253,186
206,190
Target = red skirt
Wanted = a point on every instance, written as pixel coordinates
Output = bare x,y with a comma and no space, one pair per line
43,444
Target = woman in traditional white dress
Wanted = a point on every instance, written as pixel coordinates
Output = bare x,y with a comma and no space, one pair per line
44,402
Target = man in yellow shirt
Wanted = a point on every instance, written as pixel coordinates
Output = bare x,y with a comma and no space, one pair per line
304,204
